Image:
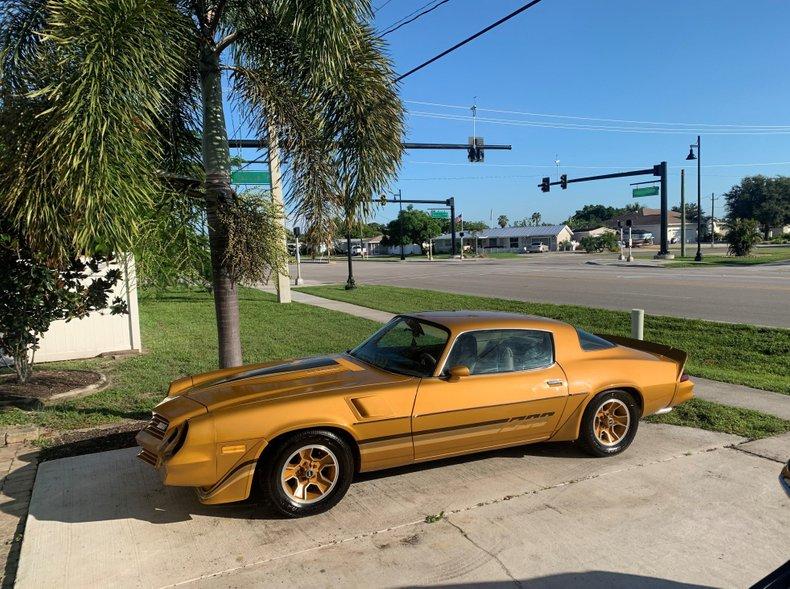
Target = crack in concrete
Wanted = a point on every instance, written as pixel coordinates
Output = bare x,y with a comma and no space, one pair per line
755,454
447,513
501,564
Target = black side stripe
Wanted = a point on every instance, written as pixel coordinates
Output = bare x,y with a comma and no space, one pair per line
457,427
229,474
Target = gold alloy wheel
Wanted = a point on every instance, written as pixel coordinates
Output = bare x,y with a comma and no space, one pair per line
612,421
309,474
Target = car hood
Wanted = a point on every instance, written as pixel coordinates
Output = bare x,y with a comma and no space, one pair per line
269,382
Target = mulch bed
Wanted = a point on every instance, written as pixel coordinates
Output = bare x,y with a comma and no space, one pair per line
42,386
88,441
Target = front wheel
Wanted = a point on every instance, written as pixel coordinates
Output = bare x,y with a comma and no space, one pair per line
609,424
307,474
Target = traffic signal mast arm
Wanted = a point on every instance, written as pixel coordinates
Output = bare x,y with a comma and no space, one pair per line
659,170
654,171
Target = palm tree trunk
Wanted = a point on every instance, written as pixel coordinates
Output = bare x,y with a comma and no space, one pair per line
350,283
216,161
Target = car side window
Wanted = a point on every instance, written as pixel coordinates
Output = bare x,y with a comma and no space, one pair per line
502,350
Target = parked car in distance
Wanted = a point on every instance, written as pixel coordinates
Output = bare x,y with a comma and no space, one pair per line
536,247
423,387
358,250
640,237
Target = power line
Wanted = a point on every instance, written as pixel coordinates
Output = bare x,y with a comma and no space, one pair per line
381,6
536,114
469,39
423,13
583,127
601,167
403,18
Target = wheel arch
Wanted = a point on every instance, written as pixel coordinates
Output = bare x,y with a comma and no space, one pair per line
339,431
570,430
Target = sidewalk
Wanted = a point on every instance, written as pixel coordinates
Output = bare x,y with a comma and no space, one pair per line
18,464
711,390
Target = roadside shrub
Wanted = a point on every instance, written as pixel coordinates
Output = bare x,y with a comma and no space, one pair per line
742,236
599,243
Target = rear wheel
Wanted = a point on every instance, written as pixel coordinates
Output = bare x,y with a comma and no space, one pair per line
307,473
609,424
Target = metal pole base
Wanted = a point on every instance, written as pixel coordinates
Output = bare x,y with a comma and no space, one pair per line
698,257
299,281
666,256
351,284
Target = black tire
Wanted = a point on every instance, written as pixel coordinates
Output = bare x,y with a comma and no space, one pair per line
270,471
590,442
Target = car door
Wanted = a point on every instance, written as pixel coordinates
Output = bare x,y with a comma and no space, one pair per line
515,393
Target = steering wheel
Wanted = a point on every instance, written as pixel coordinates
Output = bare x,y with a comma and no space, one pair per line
426,359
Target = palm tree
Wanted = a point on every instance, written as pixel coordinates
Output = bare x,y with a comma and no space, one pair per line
99,96
535,218
502,221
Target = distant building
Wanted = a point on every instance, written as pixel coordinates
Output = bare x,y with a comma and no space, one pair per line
508,239
650,220
594,232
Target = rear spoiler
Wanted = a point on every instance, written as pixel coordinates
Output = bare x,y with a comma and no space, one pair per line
674,354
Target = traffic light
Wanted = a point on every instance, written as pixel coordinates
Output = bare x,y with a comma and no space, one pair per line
545,185
297,232
628,222
382,199
564,181
475,151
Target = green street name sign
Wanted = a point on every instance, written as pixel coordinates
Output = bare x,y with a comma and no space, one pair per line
440,214
250,177
647,191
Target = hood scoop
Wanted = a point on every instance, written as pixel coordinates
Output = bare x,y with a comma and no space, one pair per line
295,366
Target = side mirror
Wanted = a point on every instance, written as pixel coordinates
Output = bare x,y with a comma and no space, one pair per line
457,372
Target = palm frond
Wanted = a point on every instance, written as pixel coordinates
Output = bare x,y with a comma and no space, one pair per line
83,149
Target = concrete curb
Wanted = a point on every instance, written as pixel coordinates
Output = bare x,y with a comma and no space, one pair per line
78,392
625,264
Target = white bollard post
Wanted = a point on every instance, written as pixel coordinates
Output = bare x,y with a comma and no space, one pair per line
638,323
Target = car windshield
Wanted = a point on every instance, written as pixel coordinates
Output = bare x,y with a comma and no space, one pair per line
405,345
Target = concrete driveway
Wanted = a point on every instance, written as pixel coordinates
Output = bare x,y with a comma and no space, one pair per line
680,507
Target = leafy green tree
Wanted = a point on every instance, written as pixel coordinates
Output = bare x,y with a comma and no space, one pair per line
764,199
691,217
99,96
33,295
411,226
742,235
471,226
502,221
535,218
592,216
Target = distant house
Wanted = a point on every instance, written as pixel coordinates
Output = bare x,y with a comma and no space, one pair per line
650,220
508,239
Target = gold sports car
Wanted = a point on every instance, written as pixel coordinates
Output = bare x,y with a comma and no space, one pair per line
425,386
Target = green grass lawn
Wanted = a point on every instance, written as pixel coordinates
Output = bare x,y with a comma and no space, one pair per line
719,258
721,418
179,336
740,354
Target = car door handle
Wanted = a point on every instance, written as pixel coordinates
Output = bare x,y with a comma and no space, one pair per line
555,383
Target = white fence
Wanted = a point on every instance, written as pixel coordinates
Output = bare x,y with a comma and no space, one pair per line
99,332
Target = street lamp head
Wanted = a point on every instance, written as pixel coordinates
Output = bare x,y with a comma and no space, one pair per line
691,155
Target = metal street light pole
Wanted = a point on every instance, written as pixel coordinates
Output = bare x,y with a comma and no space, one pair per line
400,224
682,213
698,157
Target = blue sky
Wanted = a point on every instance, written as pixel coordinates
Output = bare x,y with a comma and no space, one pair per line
679,61
702,63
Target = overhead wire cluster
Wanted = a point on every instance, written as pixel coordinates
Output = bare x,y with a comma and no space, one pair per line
582,123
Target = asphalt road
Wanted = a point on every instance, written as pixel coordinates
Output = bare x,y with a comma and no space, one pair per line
751,294
681,506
